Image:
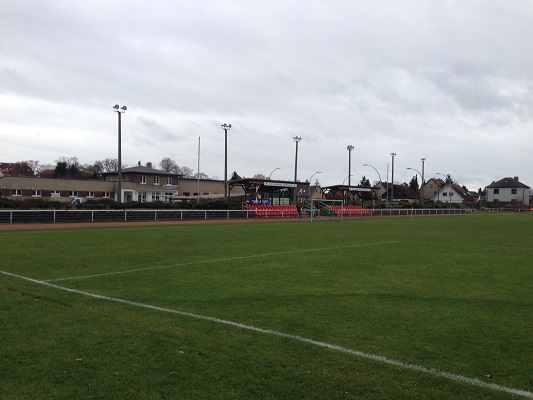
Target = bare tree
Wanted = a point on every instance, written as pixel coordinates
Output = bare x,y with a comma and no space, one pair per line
108,165
187,172
200,175
34,165
22,168
169,165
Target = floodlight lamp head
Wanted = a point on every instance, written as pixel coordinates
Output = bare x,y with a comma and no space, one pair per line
116,106
350,147
226,126
393,154
124,108
297,138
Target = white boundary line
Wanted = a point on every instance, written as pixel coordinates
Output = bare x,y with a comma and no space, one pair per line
219,260
360,354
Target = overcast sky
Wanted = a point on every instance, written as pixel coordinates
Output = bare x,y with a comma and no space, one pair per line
450,81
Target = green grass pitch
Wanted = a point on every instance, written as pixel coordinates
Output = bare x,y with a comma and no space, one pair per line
376,308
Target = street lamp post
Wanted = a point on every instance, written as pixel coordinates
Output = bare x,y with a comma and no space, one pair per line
419,193
275,169
392,178
311,179
345,179
226,127
119,110
448,182
379,176
344,193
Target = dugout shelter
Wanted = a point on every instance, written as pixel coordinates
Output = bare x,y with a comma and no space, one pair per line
348,193
268,191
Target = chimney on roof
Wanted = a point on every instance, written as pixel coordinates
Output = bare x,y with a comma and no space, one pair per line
149,164
516,178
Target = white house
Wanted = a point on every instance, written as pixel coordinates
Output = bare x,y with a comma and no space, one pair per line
452,194
508,190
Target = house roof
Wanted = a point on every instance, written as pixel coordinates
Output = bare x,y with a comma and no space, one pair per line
140,169
461,192
407,191
508,183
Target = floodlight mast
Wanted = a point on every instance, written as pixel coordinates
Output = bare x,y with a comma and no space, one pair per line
226,127
392,178
349,148
297,139
119,110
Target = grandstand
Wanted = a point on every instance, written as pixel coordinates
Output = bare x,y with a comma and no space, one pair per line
272,210
350,211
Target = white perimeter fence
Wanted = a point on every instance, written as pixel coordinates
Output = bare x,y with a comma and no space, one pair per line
63,216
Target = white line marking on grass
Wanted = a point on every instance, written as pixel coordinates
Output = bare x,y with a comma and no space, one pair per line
373,357
218,260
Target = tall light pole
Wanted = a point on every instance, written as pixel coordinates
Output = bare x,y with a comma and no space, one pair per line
349,148
423,183
392,178
275,169
297,139
226,127
119,110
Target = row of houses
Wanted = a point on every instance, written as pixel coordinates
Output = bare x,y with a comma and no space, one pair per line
147,184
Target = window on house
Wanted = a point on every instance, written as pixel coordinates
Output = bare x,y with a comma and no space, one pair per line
169,180
514,191
451,193
444,194
143,179
156,180
496,191
90,194
72,193
16,192
141,197
107,195
55,193
36,193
